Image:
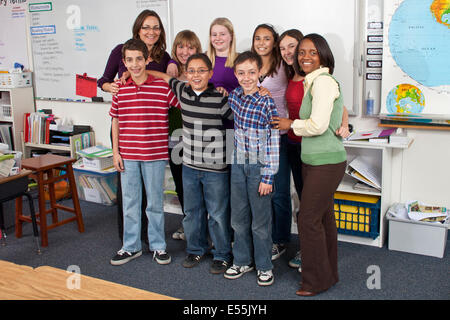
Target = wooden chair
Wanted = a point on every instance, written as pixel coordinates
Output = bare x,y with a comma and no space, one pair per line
43,172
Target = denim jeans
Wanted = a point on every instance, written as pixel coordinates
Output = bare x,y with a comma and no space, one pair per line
152,173
207,193
281,199
251,217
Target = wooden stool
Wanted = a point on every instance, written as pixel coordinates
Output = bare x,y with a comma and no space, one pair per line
42,168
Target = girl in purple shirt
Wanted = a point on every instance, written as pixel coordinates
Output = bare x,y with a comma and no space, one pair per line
222,52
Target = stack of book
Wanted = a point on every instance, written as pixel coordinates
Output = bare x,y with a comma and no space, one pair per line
368,176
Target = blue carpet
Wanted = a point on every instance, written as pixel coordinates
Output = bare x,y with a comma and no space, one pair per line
403,276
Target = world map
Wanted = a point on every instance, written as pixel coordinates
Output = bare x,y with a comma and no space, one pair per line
419,43
415,40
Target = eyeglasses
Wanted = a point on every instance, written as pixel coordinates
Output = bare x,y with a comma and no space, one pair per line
199,71
155,28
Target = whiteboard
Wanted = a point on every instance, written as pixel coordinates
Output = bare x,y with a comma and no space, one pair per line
13,35
70,37
337,21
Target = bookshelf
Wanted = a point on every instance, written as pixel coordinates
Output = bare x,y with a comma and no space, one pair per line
75,144
382,155
14,103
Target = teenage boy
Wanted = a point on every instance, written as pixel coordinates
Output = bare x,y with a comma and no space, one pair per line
206,181
139,114
255,161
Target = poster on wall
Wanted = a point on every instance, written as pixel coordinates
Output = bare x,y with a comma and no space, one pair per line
13,44
416,68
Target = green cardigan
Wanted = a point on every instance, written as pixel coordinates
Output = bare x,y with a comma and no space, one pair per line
326,148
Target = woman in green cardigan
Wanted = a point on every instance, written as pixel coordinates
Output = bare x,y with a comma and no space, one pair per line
324,161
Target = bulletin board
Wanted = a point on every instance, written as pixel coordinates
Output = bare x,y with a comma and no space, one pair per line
75,37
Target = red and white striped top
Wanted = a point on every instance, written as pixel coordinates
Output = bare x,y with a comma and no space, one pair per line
142,111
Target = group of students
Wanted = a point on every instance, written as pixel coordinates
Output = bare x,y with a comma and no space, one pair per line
286,114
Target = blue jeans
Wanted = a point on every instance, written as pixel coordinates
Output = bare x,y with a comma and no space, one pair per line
207,193
251,217
281,199
152,173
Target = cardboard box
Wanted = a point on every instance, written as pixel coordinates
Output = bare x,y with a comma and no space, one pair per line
425,238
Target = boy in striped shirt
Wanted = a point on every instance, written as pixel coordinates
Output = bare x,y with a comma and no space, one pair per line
206,182
140,152
255,162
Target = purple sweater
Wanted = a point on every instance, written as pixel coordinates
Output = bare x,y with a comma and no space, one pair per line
115,66
224,76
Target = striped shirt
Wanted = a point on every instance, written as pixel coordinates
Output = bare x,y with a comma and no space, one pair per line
253,138
142,111
204,139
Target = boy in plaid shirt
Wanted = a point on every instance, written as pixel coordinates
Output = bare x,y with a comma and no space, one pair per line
255,162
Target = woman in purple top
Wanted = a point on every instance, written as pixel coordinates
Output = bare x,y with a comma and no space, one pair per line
273,78
222,52
149,28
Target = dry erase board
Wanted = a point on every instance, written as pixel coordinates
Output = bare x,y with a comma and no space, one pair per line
71,37
13,35
337,21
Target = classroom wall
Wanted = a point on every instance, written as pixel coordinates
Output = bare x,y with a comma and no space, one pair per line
423,168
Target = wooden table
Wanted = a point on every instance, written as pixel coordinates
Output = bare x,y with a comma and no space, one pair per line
18,282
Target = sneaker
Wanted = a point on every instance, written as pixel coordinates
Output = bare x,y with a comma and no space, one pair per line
179,234
123,257
161,257
296,262
191,260
235,271
265,278
277,250
218,266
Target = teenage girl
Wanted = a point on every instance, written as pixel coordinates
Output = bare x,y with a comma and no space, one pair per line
222,52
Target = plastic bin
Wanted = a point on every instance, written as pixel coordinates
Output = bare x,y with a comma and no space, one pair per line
96,186
425,238
357,215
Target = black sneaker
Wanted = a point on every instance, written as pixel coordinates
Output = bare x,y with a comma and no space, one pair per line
236,271
123,257
218,266
161,257
191,260
277,250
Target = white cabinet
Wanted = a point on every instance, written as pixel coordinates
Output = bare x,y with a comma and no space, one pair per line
13,104
382,155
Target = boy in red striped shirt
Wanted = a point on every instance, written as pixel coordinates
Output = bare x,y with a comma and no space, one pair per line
140,129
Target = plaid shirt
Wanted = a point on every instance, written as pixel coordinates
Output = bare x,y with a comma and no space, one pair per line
253,137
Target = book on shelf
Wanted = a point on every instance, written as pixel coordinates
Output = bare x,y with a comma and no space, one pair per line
371,134
362,170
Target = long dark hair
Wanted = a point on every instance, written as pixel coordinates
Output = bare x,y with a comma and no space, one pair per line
159,47
276,57
323,49
298,35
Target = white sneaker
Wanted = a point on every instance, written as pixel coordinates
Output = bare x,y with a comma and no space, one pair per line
179,234
265,278
235,271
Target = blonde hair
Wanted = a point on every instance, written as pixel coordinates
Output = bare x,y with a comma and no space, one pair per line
185,37
211,53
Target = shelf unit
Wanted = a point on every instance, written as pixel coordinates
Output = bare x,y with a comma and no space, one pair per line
14,103
381,154
73,147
